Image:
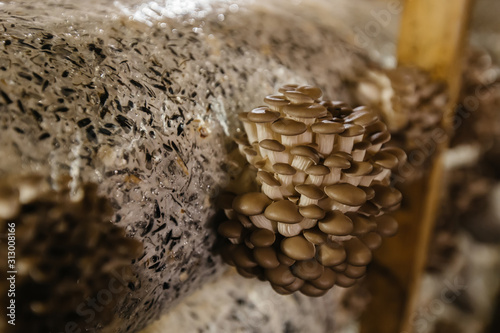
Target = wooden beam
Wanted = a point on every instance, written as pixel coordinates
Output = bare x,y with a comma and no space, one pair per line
432,37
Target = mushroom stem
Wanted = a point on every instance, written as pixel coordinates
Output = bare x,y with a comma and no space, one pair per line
251,130
345,144
325,143
289,230
314,179
301,162
333,177
273,192
260,221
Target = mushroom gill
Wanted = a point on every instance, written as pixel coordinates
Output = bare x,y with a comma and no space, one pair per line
324,177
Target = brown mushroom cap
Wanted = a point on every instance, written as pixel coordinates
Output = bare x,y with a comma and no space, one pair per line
284,169
385,159
283,211
361,117
252,203
276,100
336,223
242,257
310,191
297,97
386,196
337,161
362,145
312,212
346,194
340,268
297,248
372,239
398,152
288,127
315,236
377,127
281,290
262,238
327,127
369,209
230,229
362,224
295,285
310,290
285,260
344,281
267,178
380,138
305,111
331,254
246,272
305,151
262,115
352,130
266,257
359,168
387,226
280,275
355,272
311,91
243,116
273,145
317,170
325,281
358,254
307,269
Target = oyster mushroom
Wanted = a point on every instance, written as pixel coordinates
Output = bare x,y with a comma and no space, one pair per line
345,197
326,132
286,214
263,117
253,205
297,248
291,132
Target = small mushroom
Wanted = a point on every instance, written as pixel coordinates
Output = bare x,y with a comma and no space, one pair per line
270,185
295,285
249,126
288,87
359,150
377,140
358,254
296,97
263,117
310,290
274,151
281,275
386,225
326,133
331,254
311,91
292,132
386,197
362,116
345,197
307,269
253,205
325,281
315,236
232,230
284,173
309,194
362,224
276,102
351,134
316,173
307,114
344,281
312,212
355,272
285,260
336,162
336,223
262,238
286,215
304,157
242,257
266,257
297,248
355,174
372,239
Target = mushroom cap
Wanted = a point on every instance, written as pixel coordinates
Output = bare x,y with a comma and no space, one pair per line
288,127
267,178
344,281
311,91
398,152
307,269
336,223
369,209
225,200
362,117
250,151
312,212
310,191
362,224
358,254
359,169
262,238
362,145
315,236
262,115
288,87
230,229
280,275
331,254
297,248
351,130
355,272
295,285
252,203
285,260
266,257
370,192
386,196
385,159
346,194
326,280
387,225
305,111
317,170
310,290
276,100
337,161
283,211
242,257
243,116
305,151
372,239
380,138
327,127
272,145
297,97
376,127
339,268
281,290
284,169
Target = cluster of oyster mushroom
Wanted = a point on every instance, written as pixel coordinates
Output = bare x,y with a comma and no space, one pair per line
71,263
325,187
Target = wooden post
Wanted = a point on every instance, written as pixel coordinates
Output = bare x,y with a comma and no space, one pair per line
432,37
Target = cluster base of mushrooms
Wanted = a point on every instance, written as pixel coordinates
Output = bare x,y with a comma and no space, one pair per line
324,177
